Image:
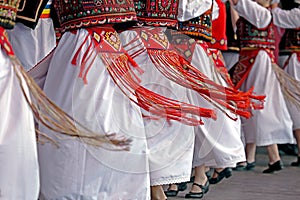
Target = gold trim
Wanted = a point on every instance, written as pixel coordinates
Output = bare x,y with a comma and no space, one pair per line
31,19
23,6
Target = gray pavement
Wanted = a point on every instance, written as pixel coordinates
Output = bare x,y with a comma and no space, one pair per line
283,185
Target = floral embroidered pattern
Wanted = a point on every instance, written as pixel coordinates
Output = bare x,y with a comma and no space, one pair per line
157,12
8,13
200,27
251,36
291,40
74,14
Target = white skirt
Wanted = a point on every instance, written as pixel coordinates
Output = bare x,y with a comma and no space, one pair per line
31,46
170,144
273,124
19,170
76,170
218,143
293,69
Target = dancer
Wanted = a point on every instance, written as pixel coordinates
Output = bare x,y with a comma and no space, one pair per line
19,170
20,99
95,71
289,47
262,129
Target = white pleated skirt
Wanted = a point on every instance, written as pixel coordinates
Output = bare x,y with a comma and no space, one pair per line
273,124
170,143
19,170
218,143
79,171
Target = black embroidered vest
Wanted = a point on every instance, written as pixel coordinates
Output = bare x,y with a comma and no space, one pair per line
75,14
157,12
253,37
199,27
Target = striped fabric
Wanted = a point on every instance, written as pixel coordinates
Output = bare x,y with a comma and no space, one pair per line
46,11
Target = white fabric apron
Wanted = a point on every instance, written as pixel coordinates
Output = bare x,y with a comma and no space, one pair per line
76,170
218,143
170,144
271,125
19,170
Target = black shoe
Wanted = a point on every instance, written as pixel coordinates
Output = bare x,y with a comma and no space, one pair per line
242,167
171,193
198,195
288,149
182,186
250,166
208,174
192,179
297,163
224,173
277,166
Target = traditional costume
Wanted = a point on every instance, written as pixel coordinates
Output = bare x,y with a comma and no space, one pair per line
257,43
90,95
19,170
290,49
97,71
211,147
21,98
170,143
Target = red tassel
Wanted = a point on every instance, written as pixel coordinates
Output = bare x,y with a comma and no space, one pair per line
176,68
148,100
74,60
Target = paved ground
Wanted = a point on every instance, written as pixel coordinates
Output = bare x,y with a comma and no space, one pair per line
253,185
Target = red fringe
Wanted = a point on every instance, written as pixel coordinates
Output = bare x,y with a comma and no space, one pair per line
119,69
176,68
118,65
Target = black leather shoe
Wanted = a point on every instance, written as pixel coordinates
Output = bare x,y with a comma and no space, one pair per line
225,173
250,166
244,166
241,166
297,163
288,149
171,193
208,174
198,195
277,166
192,179
182,186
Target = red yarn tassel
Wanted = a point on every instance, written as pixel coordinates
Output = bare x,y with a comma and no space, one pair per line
148,100
177,69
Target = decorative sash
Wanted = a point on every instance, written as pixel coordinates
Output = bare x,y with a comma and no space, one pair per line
171,62
106,44
245,64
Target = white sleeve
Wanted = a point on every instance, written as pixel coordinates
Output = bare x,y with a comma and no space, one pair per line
189,9
254,13
286,18
215,11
